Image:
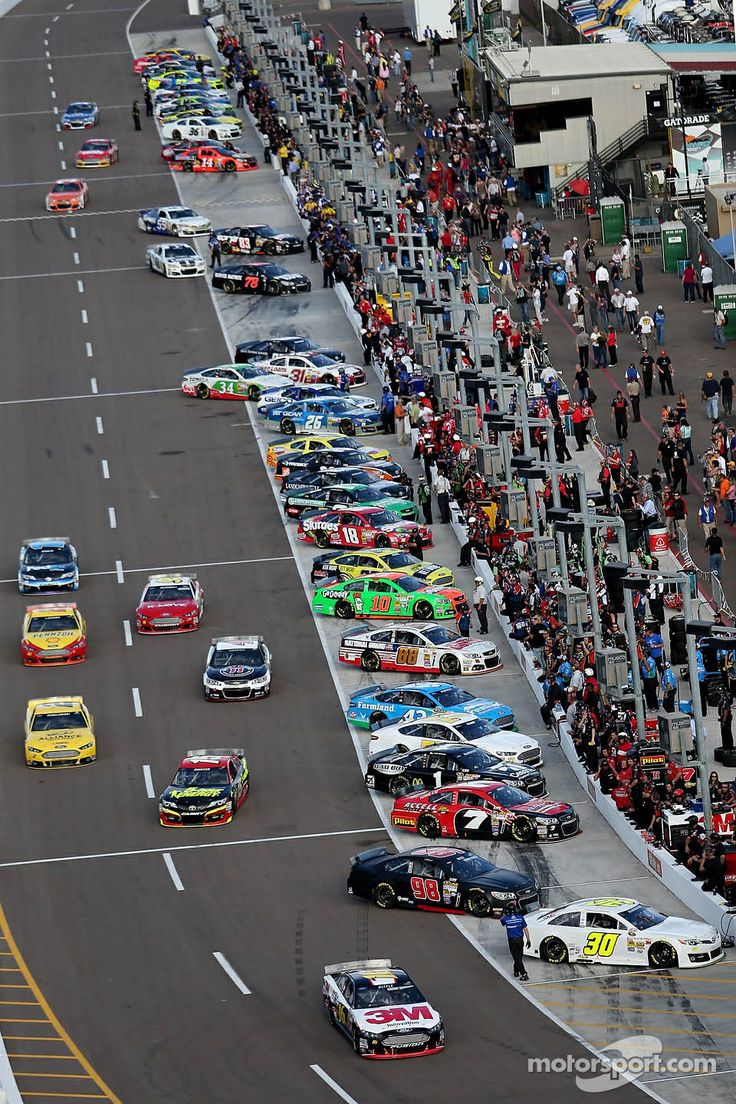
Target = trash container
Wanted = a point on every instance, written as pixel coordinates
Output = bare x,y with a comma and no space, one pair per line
674,246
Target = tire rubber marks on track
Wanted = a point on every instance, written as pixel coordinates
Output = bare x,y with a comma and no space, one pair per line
338,1089
235,978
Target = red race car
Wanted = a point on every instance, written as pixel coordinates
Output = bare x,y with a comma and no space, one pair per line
484,810
170,603
213,158
171,149
67,195
368,527
98,153
208,788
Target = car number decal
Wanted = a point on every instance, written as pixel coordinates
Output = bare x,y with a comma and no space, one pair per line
381,603
601,943
425,889
312,422
251,281
349,534
470,820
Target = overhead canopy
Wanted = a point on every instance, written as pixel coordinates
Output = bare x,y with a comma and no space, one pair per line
697,57
725,246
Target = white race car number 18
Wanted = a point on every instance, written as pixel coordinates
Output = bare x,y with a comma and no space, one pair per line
350,534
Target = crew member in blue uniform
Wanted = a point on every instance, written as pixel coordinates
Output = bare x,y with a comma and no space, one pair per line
517,934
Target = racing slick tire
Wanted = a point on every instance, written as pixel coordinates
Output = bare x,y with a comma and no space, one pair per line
254,393
384,895
523,830
176,135
287,426
273,288
347,427
429,826
356,1042
344,610
478,903
202,391
423,611
398,785
226,247
270,248
370,661
553,950
229,285
382,541
321,539
662,956
450,665
229,166
332,1018
212,135
150,264
188,166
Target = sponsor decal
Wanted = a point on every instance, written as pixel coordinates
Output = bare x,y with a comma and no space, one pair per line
654,862
197,791
399,1015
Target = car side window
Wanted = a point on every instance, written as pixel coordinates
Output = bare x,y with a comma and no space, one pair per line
474,800
422,868
418,730
437,760
439,732
603,920
567,920
233,767
380,586
398,866
443,798
381,637
405,637
355,587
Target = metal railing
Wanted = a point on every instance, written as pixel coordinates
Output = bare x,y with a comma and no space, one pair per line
503,136
609,153
723,272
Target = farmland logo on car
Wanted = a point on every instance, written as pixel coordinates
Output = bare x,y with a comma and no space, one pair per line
197,791
236,670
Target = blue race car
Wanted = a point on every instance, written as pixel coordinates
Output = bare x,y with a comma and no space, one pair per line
48,563
299,392
317,415
377,705
80,115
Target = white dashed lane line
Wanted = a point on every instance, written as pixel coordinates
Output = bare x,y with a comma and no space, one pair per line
337,1089
119,571
112,517
174,873
128,636
235,979
93,385
137,707
85,318
75,256
61,144
72,231
88,348
105,469
100,426
80,287
63,166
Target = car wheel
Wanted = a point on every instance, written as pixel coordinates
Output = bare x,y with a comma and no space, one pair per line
273,288
370,661
225,247
347,427
203,391
384,895
382,541
176,135
254,393
150,264
332,1017
212,135
344,610
229,285
478,903
356,1041
663,956
321,539
188,166
229,166
428,826
398,785
331,380
424,611
553,950
376,720
270,248
449,665
523,830
287,426
233,806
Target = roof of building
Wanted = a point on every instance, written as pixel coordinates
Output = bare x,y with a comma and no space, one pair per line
604,59
698,57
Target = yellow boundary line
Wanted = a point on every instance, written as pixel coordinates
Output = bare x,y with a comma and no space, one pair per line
7,935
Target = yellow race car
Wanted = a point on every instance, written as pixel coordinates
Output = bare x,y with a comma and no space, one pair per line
298,446
369,561
59,732
53,633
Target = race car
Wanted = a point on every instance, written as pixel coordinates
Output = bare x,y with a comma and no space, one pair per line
398,772
338,454
418,648
164,77
458,728
154,57
484,810
208,788
195,126
170,603
312,415
201,109
381,1010
368,527
294,448
374,706
53,634
80,115
59,732
253,351
389,595
171,149
67,195
358,476
176,222
315,368
299,392
259,278
47,563
439,879
98,153
175,261
212,158
351,565
618,931
346,494
258,239
238,668
228,381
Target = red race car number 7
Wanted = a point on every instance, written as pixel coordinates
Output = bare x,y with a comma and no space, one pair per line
425,889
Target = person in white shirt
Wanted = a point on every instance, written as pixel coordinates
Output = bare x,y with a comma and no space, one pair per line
618,302
646,330
631,310
602,276
480,601
442,489
706,279
573,302
625,258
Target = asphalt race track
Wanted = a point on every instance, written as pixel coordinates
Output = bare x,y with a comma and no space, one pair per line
124,957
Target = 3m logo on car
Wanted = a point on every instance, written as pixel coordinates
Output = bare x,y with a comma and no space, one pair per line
394,1015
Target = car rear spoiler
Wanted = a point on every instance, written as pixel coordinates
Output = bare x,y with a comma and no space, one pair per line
373,853
359,964
240,752
367,690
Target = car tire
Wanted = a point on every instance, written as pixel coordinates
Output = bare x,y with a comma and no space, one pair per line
398,785
332,1018
423,611
370,661
429,826
662,956
176,135
287,426
553,950
321,539
212,135
229,166
523,830
229,286
356,1042
330,380
382,541
344,610
188,166
254,393
377,719
347,427
270,249
150,263
450,665
272,288
202,391
384,895
478,903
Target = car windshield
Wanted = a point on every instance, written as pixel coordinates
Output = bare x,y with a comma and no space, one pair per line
59,623
382,996
395,560
369,494
471,866
272,270
265,231
184,212
475,728
80,108
508,796
200,776
96,144
381,517
46,557
438,634
238,657
65,186
410,584
642,917
173,593
300,344
49,722
319,360
452,696
475,759
339,406
180,251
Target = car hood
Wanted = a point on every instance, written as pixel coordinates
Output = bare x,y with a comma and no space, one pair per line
506,741
192,220
290,277
544,806
474,647
59,736
380,1021
92,155
48,571
167,609
236,673
482,708
50,640
681,928
195,797
511,880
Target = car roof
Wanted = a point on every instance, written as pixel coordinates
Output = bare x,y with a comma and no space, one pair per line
444,717
56,705
438,852
224,642
610,904
52,608
205,761
46,542
170,580
374,979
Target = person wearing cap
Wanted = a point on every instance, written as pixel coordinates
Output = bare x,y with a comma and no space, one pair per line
649,681
442,489
424,497
480,601
517,934
709,392
388,406
707,516
668,686
659,322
